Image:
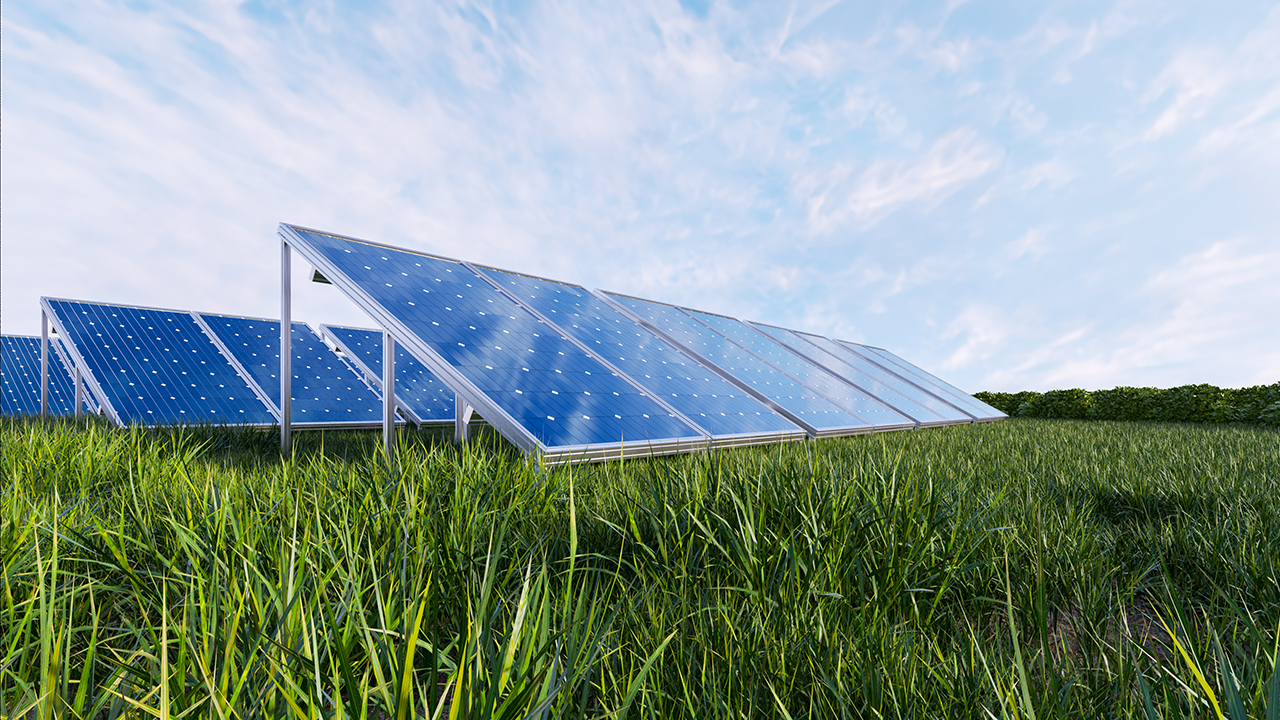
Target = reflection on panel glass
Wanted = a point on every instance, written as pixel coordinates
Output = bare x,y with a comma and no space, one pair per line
416,388
324,389
902,396
157,367
20,378
789,394
840,392
558,393
897,365
704,397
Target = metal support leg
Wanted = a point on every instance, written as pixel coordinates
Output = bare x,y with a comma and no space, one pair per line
79,394
286,350
44,364
461,420
388,395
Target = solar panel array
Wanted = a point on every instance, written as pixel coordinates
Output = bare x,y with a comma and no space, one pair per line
20,377
563,372
150,366
542,390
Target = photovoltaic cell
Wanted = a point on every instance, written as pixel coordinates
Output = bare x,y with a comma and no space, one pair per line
417,390
547,386
895,364
889,388
324,389
843,394
20,378
701,395
155,367
803,404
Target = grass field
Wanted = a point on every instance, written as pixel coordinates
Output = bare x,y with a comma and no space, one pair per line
1027,568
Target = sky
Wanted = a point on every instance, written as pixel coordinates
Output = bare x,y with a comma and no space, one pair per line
1014,195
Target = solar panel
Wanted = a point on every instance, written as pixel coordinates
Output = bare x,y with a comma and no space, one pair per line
325,391
808,409
904,397
728,414
540,389
20,378
154,367
970,404
815,376
419,394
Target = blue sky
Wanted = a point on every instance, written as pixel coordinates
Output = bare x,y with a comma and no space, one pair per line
1014,195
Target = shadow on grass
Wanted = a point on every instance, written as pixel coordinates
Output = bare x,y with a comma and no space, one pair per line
1127,508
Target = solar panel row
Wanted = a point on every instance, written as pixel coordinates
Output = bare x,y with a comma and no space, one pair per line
151,366
569,373
564,372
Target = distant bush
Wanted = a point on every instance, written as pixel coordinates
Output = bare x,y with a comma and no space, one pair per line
1189,403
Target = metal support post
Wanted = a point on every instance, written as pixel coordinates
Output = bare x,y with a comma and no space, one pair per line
461,420
44,364
79,394
286,350
388,395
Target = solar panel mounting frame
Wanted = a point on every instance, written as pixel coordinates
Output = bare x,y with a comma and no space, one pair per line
467,391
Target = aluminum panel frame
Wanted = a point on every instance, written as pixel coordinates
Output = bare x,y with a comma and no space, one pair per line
497,417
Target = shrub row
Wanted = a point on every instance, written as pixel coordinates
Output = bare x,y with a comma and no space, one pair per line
1189,403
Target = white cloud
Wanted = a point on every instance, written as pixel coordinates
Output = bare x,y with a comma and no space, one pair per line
952,162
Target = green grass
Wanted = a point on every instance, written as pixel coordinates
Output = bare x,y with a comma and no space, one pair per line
1028,568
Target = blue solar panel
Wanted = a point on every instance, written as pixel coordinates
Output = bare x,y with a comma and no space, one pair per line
155,367
841,393
700,394
418,391
20,378
324,389
493,351
804,405
897,365
885,386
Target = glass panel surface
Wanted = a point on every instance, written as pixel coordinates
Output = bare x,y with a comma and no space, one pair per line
899,394
761,376
971,404
20,378
559,394
843,394
704,397
158,367
416,388
324,389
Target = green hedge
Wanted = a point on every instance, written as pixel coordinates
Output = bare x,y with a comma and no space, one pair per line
1189,403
